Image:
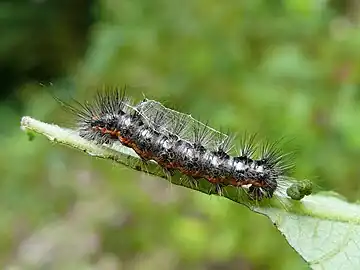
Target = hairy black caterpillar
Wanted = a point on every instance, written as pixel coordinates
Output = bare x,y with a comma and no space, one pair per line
176,141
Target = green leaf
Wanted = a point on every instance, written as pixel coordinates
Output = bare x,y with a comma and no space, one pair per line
323,228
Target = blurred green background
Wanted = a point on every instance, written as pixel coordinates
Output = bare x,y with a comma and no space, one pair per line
280,68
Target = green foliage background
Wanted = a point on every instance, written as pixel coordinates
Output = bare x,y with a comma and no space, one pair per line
279,68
